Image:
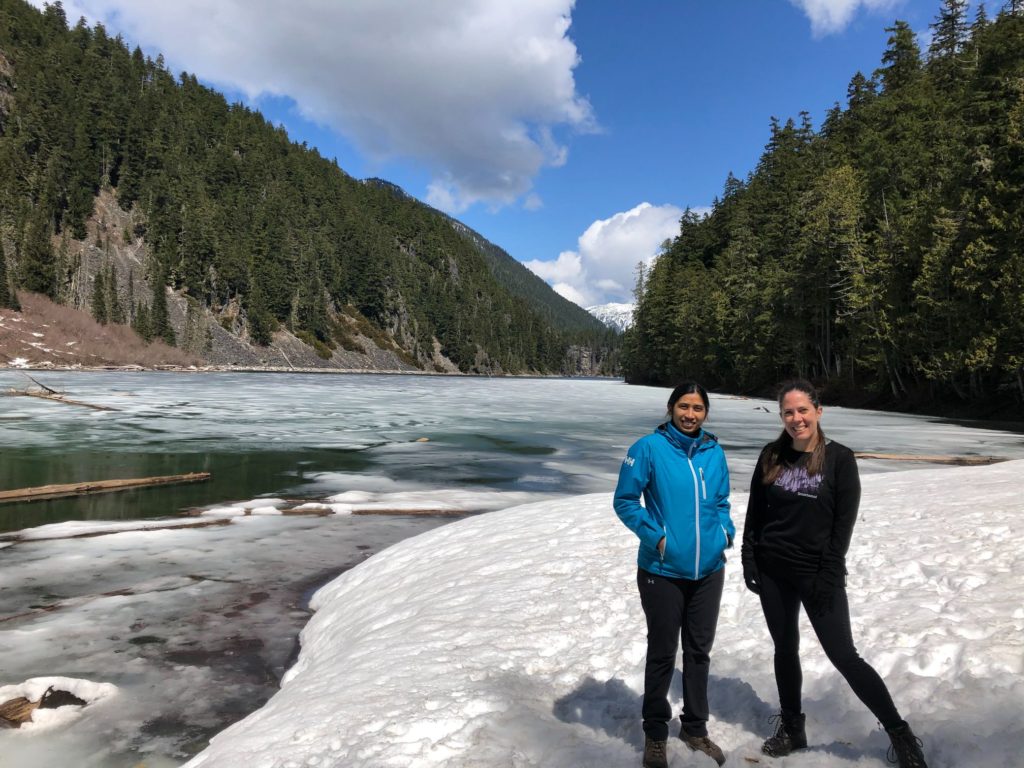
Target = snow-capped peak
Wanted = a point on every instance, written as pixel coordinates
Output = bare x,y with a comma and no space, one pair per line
619,316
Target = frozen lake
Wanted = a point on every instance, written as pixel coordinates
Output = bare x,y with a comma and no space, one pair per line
195,627
307,435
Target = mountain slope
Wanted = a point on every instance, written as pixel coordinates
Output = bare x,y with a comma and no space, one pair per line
242,226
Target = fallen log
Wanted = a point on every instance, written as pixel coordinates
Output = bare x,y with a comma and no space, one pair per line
421,512
97,486
16,711
960,460
58,398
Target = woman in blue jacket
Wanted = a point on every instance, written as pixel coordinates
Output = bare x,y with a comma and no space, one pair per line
684,529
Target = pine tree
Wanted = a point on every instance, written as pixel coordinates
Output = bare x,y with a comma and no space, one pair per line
8,296
949,30
38,266
115,310
159,322
99,298
141,324
902,59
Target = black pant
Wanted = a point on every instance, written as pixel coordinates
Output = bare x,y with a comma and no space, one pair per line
674,608
780,600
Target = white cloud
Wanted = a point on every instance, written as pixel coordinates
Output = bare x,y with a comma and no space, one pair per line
567,268
569,292
831,16
474,90
603,269
533,202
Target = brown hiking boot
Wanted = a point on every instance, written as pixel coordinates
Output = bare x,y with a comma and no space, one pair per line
655,753
705,745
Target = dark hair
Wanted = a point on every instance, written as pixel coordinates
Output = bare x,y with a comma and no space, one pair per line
771,459
688,388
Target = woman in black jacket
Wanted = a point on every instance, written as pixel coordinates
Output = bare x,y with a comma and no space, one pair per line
802,508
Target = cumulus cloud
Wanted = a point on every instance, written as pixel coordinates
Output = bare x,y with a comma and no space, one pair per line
475,91
831,16
603,267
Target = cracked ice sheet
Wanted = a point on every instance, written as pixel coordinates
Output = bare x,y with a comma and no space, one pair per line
517,639
193,626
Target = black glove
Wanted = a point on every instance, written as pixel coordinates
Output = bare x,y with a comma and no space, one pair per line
821,599
751,577
823,590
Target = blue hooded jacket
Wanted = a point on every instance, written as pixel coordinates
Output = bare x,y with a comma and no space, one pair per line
684,482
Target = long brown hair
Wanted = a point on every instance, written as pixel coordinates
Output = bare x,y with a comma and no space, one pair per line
771,459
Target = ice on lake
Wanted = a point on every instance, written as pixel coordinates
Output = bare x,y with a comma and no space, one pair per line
196,627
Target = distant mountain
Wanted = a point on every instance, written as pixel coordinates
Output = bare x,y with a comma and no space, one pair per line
618,316
147,199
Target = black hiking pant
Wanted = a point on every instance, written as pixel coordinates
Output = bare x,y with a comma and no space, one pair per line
780,600
678,608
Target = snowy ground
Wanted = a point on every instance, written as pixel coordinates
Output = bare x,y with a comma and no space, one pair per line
516,639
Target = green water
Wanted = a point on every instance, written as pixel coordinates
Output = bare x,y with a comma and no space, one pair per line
235,476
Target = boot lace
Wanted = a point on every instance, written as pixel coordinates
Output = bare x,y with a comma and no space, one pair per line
905,751
781,742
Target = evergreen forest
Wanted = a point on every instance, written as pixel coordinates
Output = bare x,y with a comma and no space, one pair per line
881,255
236,216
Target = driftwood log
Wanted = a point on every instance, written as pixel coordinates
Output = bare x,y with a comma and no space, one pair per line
17,711
58,398
961,460
97,486
48,393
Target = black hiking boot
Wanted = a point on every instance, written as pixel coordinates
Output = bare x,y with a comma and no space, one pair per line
655,753
705,745
906,748
789,735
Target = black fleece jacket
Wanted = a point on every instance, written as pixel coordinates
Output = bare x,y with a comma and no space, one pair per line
800,526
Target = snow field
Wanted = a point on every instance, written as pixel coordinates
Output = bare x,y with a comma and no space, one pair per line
516,639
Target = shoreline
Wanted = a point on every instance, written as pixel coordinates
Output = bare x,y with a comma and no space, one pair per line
1000,417
282,369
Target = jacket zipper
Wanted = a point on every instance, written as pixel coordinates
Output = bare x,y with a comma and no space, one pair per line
696,514
703,487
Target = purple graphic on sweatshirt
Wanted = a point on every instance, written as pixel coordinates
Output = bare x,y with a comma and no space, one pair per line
796,480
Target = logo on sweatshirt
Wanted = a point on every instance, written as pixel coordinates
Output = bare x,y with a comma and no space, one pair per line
629,461
796,480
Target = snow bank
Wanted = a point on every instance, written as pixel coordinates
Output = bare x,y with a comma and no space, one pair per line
516,639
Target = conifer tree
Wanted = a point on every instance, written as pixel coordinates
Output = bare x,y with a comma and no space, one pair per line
159,322
949,30
8,296
902,59
140,322
115,310
38,266
99,298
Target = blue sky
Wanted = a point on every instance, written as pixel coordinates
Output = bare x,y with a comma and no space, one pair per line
572,134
